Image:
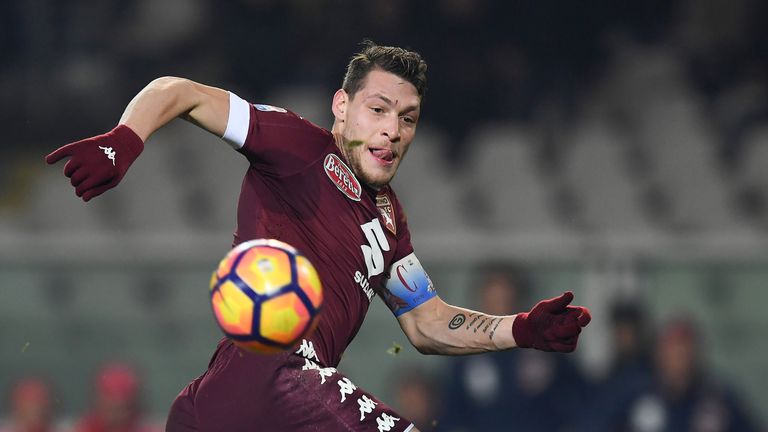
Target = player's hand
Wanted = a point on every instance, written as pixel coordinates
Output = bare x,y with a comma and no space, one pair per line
552,325
99,163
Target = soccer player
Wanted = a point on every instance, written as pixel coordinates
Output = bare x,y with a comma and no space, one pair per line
327,193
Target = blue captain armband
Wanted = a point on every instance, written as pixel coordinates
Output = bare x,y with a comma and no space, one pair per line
407,286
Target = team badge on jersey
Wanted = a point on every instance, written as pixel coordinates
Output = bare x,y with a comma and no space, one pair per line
342,176
266,108
387,211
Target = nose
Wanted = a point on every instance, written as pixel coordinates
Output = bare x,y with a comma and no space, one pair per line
391,129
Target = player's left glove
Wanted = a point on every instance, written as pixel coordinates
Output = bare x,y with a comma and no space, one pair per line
552,325
99,163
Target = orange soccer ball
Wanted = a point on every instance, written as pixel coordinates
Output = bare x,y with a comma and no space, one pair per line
266,296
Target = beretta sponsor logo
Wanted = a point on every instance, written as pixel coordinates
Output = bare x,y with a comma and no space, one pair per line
342,177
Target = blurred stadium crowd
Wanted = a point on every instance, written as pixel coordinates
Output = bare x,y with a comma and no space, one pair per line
549,129
657,379
524,97
115,405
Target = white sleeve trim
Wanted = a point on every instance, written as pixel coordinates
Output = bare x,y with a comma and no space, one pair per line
238,122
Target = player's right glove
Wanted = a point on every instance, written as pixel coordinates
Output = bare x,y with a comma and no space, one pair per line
552,325
99,163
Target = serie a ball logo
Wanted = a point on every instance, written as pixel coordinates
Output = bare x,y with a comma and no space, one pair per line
266,296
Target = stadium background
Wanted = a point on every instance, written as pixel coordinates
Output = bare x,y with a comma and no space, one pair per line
619,151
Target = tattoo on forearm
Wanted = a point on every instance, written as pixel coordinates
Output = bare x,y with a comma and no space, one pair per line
481,324
490,323
490,336
457,321
473,322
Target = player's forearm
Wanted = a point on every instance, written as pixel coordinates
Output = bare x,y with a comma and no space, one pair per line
453,330
166,98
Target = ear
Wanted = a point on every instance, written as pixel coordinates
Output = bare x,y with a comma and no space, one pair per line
339,105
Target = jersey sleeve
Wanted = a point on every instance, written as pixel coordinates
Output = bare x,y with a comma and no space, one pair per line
274,140
407,284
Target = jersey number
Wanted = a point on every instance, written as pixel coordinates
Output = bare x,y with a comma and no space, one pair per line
377,241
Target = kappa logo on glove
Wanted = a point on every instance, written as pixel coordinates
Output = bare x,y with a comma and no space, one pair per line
111,154
85,167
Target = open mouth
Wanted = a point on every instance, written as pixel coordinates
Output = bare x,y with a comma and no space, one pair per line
385,156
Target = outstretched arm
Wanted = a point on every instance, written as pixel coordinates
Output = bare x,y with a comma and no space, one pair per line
169,97
436,327
98,163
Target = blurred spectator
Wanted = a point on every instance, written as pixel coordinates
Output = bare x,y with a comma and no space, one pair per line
417,398
116,406
630,368
682,396
629,333
31,407
521,390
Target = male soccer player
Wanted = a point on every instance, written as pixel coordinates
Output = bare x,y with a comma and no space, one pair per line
326,193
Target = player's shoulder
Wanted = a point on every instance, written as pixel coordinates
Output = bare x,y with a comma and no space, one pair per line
269,125
272,115
276,140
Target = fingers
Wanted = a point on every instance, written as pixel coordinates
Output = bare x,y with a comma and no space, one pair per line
70,167
100,189
563,336
585,317
78,177
577,314
94,180
567,340
558,304
59,154
567,331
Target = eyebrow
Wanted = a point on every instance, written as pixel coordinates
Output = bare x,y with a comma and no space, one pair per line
389,101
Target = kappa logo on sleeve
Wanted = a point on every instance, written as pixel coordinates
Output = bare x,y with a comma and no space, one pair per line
267,108
341,175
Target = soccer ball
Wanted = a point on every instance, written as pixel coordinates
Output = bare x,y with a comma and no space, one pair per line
266,296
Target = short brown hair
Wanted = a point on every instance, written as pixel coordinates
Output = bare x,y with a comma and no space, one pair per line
401,62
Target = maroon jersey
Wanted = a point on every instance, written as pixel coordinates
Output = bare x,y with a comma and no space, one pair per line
300,190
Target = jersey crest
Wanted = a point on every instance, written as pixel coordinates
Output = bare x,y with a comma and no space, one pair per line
387,211
342,176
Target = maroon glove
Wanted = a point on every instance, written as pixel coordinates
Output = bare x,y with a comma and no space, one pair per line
551,325
99,163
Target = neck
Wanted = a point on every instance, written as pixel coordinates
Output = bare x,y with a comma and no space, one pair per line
338,137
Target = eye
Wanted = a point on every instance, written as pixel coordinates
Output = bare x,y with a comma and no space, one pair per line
408,119
377,110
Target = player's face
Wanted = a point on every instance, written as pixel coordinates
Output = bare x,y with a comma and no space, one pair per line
377,125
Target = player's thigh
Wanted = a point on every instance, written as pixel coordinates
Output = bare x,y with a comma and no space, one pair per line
181,417
285,393
318,398
236,392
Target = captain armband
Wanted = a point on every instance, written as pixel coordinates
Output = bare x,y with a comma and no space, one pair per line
407,285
